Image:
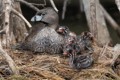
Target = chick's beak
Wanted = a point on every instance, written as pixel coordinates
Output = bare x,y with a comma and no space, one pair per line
65,53
60,30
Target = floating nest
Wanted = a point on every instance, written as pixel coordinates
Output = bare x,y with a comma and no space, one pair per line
34,66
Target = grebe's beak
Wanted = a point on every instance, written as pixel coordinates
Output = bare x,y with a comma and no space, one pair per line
36,18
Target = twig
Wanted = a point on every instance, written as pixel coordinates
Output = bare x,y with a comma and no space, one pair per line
53,5
3,31
1,13
64,8
40,4
8,4
58,60
45,2
81,5
9,60
115,26
118,4
115,57
29,5
109,18
103,51
115,54
22,17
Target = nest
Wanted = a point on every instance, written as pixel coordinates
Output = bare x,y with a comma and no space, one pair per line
55,67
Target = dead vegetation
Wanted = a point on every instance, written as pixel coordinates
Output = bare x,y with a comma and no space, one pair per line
55,67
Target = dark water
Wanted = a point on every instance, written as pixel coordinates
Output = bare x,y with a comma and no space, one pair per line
76,25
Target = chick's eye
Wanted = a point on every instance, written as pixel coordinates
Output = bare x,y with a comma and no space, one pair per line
70,51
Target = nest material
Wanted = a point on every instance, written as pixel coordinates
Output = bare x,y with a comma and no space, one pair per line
56,67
